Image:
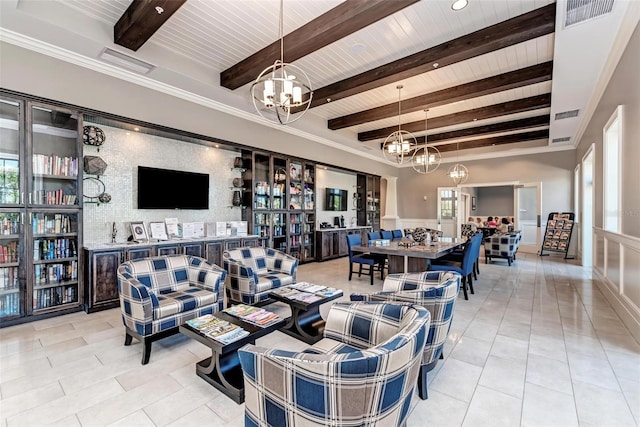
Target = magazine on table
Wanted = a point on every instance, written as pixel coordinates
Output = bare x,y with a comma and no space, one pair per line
218,329
307,287
255,315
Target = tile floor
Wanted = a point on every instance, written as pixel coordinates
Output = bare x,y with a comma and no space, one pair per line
537,345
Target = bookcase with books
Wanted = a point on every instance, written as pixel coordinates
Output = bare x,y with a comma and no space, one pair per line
282,203
557,235
40,211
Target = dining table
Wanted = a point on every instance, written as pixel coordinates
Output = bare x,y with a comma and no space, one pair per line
412,259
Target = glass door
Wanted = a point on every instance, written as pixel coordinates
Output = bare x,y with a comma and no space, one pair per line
54,157
54,269
11,304
262,198
295,186
527,199
448,211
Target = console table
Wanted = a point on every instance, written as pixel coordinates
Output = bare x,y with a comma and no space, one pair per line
101,262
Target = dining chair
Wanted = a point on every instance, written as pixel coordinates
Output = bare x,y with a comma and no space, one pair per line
464,268
374,235
363,258
386,234
397,234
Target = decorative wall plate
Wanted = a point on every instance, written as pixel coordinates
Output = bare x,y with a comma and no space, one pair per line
92,135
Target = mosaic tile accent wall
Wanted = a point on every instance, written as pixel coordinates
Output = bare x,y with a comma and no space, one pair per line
123,151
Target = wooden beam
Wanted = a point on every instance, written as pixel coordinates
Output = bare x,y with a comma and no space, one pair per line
495,140
141,20
495,110
509,126
339,22
514,79
507,33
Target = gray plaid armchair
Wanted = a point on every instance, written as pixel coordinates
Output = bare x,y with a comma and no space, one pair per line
437,291
159,294
254,272
502,245
362,373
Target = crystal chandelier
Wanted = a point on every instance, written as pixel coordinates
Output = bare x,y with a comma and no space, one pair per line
282,92
400,145
458,172
426,159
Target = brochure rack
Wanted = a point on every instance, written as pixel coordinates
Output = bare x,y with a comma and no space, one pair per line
558,233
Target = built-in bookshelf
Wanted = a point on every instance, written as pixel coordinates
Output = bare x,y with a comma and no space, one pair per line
40,216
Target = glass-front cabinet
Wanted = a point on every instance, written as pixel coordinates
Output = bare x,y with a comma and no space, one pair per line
40,215
11,243
283,204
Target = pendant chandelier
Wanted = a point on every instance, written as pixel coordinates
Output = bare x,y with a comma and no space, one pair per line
458,172
400,145
282,92
426,159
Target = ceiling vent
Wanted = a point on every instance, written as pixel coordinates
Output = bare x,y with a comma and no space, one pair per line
563,139
567,114
125,61
583,10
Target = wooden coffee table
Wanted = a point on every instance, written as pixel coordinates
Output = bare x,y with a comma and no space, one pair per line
305,322
222,370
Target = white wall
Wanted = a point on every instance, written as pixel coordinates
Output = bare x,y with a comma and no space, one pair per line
124,151
328,178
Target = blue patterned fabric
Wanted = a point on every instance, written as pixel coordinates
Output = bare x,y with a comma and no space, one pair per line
363,385
160,293
502,246
437,291
254,272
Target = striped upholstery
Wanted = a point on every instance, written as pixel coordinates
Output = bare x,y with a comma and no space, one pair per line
254,272
502,246
436,291
371,384
161,293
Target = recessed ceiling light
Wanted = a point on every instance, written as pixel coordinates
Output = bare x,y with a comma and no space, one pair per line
358,48
459,4
436,65
217,145
136,129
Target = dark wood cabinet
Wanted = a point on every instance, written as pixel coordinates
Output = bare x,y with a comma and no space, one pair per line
213,252
102,272
193,249
101,265
168,250
135,253
332,243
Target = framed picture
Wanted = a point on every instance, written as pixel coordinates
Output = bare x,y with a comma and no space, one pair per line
473,203
158,230
139,231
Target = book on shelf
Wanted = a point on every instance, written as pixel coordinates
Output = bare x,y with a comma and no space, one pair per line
218,329
254,315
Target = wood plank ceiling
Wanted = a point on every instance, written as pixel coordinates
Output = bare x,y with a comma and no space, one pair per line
522,117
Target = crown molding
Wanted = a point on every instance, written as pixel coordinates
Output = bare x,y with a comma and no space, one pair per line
53,51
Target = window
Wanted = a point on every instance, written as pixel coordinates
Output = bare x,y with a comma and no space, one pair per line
611,148
448,203
9,180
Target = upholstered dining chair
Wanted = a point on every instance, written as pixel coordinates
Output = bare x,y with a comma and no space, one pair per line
371,260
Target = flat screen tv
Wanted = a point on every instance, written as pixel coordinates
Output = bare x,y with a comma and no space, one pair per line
171,189
335,199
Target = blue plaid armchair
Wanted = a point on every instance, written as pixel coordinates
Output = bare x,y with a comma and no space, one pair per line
254,272
362,372
502,246
159,294
437,291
